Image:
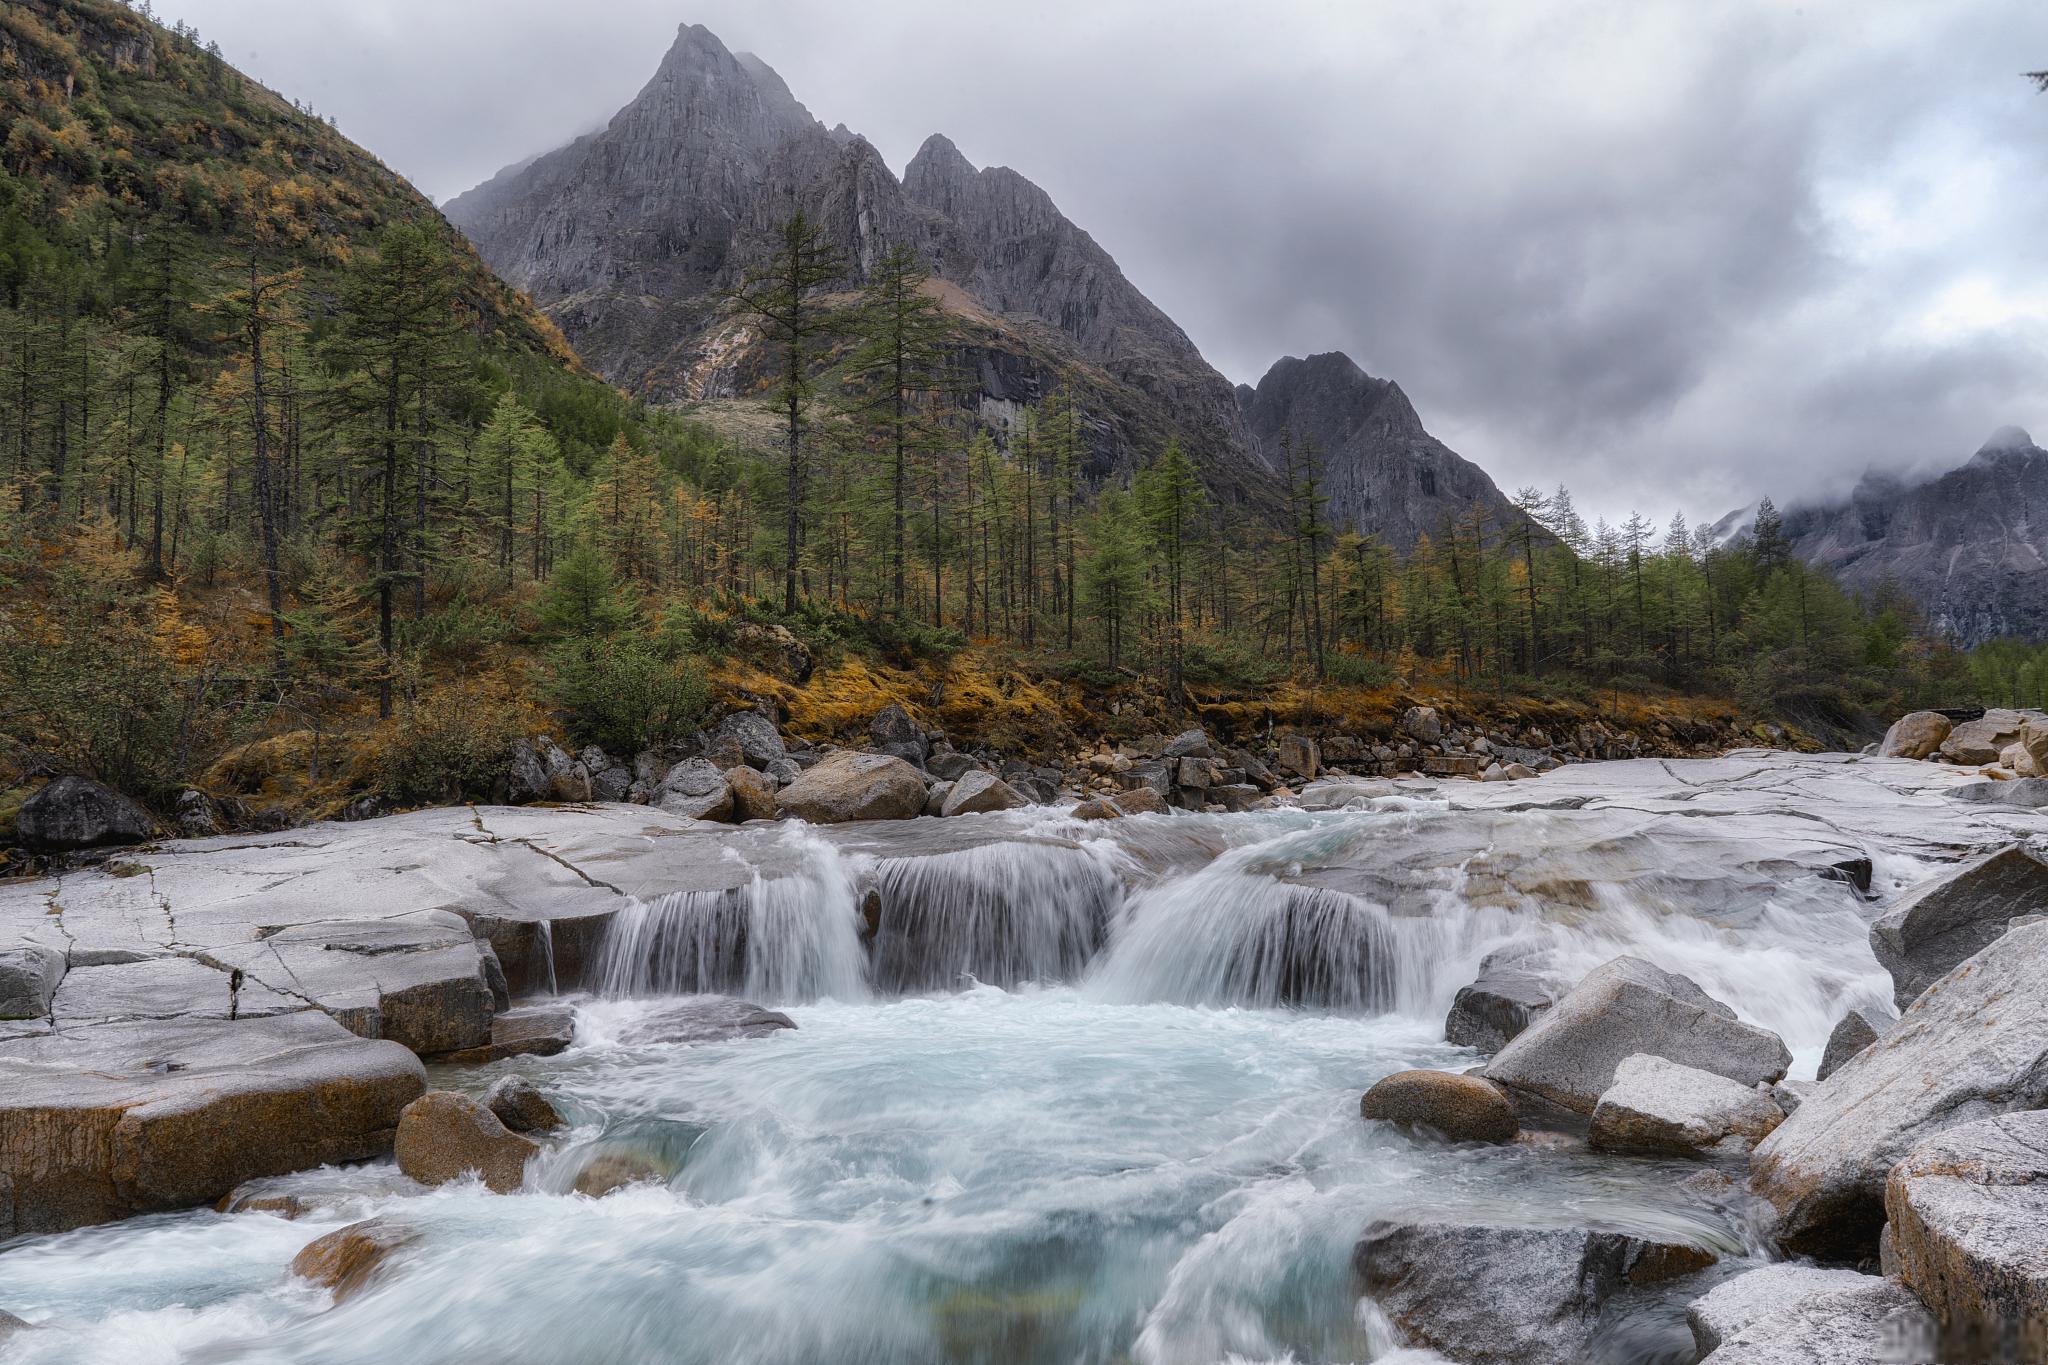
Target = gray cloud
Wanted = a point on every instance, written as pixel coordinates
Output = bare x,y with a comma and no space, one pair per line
1671,254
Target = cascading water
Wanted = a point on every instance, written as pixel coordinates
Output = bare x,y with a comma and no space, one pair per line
1143,1147
1003,914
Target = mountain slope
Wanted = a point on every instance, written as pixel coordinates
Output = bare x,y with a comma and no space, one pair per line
1381,471
625,237
1971,546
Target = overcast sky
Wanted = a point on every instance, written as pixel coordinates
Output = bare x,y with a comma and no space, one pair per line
1673,253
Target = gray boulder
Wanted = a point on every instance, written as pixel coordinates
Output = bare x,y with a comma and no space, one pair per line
1492,1294
1968,1233
567,780
197,815
854,786
893,732
2026,793
1569,1056
704,1019
755,735
785,770
935,798
1188,744
1973,1046
1298,757
1804,1315
1462,1108
1660,1108
1423,724
1507,997
697,789
613,783
443,1136
520,1106
526,777
951,765
1938,923
1858,1029
978,792
76,812
29,976
1917,734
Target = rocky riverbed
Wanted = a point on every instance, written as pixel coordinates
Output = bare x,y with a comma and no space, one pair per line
605,1081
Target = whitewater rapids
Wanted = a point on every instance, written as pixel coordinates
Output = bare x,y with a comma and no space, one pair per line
1057,1092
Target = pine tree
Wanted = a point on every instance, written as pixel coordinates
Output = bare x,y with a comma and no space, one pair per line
781,299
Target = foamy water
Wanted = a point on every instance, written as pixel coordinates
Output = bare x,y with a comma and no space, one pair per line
1089,1095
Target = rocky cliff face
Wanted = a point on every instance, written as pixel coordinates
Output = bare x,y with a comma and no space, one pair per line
1970,546
626,237
1381,471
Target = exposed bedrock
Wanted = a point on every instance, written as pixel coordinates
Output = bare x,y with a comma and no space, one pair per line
107,1120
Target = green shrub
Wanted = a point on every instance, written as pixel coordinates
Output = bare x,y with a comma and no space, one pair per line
625,693
452,742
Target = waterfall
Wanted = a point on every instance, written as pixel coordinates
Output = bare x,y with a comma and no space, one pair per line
1002,914
544,944
772,939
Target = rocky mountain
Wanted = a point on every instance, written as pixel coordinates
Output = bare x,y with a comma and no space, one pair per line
626,236
1971,546
1379,468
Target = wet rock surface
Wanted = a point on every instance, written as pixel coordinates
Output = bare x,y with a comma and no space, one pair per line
520,1106
347,1260
1461,1108
848,786
704,1019
443,1136
1797,1315
1630,1006
1504,1294
1509,994
1975,1045
1928,930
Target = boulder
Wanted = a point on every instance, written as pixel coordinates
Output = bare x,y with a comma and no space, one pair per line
1975,1045
1935,925
893,732
978,792
261,1196
1968,1233
1462,1108
1628,1006
443,1136
197,815
75,812
2016,757
703,1019
951,765
2027,793
611,783
1917,734
526,777
520,1106
777,649
568,780
1785,1315
1423,724
529,1030
1297,756
1519,772
1501,1003
105,1121
756,737
607,1171
1188,744
29,976
848,785
347,1259
1858,1029
1982,740
753,794
697,789
1660,1108
1494,1294
2034,739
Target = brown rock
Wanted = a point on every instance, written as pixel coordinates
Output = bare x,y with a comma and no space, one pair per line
255,1198
753,794
1462,1108
610,1171
443,1135
1981,741
347,1259
110,1120
527,1031
854,786
1917,734
2034,739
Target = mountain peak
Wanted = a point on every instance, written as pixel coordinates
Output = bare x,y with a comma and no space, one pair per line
938,164
2006,439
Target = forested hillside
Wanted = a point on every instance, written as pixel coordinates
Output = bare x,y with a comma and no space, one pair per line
303,504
